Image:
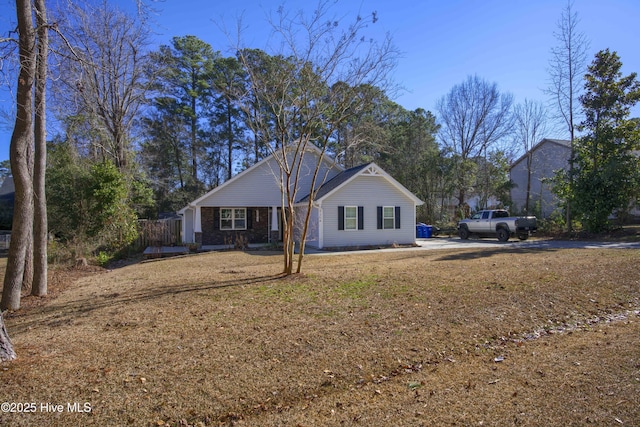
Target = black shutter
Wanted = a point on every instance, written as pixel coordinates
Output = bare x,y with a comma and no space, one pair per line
379,217
397,216
360,217
340,217
249,219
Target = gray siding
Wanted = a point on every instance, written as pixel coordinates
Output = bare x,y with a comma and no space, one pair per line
548,157
369,192
313,235
260,186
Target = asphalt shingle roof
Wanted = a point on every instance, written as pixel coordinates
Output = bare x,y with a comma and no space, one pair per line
335,182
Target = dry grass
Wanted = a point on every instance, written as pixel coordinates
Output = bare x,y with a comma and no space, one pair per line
484,337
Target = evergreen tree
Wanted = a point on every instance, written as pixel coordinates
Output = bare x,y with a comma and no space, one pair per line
607,175
184,91
227,136
89,204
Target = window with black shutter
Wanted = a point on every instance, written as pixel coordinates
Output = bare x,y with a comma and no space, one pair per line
350,217
388,217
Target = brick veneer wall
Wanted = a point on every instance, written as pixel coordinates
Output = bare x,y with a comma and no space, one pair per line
257,231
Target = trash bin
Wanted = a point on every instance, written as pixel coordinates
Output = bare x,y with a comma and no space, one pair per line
421,230
428,231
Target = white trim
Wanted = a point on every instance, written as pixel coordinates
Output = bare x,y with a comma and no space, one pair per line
197,223
393,218
188,216
182,226
371,170
233,219
345,219
274,218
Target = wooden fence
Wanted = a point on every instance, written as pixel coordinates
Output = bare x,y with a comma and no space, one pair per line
162,232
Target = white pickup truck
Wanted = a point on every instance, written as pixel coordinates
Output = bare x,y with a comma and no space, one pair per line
498,223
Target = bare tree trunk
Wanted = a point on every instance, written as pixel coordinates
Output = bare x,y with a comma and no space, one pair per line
119,150
461,195
567,66
312,196
179,166
229,140
6,346
27,275
288,212
529,161
291,244
572,155
194,139
530,128
21,139
39,286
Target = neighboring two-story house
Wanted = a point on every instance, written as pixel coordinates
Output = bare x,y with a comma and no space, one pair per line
547,157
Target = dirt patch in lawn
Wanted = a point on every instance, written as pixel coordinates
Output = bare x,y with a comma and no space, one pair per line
473,337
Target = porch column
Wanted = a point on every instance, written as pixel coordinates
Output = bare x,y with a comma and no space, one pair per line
274,218
197,227
274,234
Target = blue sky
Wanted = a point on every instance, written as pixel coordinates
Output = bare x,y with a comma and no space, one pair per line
502,41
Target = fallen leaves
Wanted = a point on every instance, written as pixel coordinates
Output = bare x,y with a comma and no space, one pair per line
424,335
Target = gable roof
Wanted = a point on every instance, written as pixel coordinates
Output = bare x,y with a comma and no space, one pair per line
561,142
348,175
335,182
564,142
310,148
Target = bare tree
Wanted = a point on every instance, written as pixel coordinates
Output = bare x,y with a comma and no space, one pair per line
293,107
6,346
29,233
473,115
566,68
19,153
103,76
530,127
39,285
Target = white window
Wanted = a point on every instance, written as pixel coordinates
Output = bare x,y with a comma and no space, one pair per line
233,218
388,217
350,217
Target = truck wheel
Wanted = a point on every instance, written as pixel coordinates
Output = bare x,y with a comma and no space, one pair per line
523,236
503,234
463,233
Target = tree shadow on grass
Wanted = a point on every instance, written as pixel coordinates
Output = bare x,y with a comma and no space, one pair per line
54,315
489,252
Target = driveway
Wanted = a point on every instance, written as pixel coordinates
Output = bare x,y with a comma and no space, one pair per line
457,243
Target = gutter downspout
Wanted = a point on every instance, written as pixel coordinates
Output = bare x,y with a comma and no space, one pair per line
320,224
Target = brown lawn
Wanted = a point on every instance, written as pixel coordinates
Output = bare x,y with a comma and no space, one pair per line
475,337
